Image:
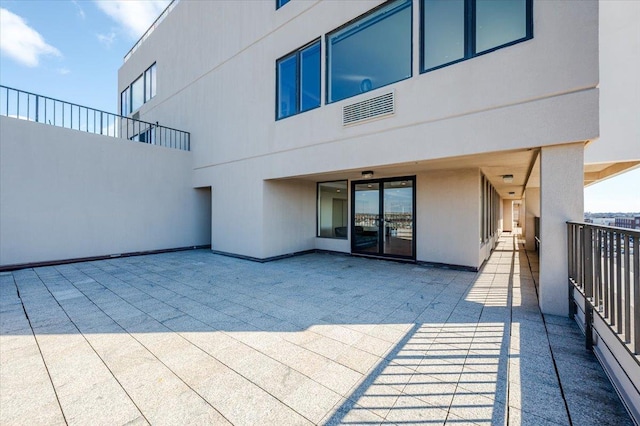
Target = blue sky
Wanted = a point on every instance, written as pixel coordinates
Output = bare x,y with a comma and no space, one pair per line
71,50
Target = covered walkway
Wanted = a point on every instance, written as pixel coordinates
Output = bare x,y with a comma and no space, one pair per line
196,338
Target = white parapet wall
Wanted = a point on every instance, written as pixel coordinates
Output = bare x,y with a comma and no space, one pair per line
66,194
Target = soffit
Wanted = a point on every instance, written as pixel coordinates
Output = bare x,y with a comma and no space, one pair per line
494,165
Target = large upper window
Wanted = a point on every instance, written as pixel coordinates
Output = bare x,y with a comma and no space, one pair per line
454,30
371,52
137,93
150,83
332,209
298,81
141,91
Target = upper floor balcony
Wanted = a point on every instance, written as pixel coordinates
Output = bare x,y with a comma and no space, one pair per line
29,106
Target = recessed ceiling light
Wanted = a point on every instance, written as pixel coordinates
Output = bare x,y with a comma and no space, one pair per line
367,174
507,178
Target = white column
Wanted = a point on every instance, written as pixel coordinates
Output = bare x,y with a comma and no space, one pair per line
561,199
532,210
507,208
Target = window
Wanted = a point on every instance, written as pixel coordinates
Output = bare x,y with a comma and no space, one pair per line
124,102
280,3
298,81
371,52
454,30
332,209
489,209
150,83
137,93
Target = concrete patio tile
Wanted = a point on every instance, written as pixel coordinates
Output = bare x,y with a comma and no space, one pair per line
94,404
518,417
162,396
347,412
312,400
410,343
357,359
247,404
338,378
379,398
478,408
22,375
487,384
410,410
430,390
540,400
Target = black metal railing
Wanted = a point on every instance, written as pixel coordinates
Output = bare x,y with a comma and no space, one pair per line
42,109
604,267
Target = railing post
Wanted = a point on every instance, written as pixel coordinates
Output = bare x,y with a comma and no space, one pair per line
587,246
627,291
636,296
37,104
571,267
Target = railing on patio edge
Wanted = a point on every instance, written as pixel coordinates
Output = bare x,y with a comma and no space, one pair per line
604,267
42,109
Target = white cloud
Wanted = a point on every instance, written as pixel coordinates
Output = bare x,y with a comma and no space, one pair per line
106,39
63,71
21,42
80,10
135,16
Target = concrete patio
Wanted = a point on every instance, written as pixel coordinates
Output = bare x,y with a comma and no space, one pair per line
195,338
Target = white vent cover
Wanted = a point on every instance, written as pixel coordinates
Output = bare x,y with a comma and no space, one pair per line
379,106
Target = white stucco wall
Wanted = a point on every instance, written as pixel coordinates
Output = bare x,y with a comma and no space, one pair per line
532,210
561,200
447,211
289,217
216,79
507,99
619,39
68,194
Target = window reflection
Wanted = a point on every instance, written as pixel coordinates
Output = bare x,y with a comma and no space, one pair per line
332,209
499,22
370,53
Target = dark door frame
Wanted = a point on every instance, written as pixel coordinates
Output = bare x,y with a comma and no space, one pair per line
381,229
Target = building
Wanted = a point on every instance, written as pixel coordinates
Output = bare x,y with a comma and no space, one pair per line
628,222
416,130
401,129
357,127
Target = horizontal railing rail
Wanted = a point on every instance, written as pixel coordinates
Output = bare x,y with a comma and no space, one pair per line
604,265
43,109
152,28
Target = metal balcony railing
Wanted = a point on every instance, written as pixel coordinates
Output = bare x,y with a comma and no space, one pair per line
604,267
42,109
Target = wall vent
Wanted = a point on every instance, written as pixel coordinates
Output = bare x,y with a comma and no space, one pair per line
377,107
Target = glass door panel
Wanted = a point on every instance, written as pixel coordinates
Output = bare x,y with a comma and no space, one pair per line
383,217
398,218
366,218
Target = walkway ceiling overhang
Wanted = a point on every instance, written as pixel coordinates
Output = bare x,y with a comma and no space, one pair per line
493,165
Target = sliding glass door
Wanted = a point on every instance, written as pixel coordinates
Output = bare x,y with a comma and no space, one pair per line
383,217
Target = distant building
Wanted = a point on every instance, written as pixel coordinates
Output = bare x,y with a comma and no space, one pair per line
628,222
